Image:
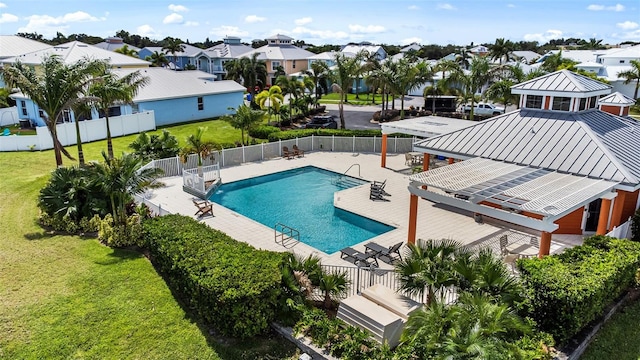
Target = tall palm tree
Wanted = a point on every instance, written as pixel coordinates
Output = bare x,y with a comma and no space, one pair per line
464,58
110,89
406,77
244,119
157,59
248,70
342,75
271,98
593,44
501,49
173,46
632,74
121,178
125,50
319,73
54,88
289,87
471,83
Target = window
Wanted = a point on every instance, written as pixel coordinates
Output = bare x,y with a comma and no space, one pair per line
593,102
561,103
200,103
23,105
114,111
534,102
135,108
583,104
66,115
274,65
621,61
294,64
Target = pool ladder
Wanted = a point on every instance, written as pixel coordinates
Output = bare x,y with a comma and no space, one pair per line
286,236
343,178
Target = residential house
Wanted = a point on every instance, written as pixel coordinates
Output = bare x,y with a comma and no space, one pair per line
375,50
14,45
230,48
280,52
557,165
114,43
190,55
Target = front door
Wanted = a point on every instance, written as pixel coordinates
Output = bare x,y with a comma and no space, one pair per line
593,214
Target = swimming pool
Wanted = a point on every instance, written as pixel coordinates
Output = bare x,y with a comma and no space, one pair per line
301,198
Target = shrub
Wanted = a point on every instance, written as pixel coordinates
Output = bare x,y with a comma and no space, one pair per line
153,147
262,131
66,224
635,226
231,285
570,290
121,235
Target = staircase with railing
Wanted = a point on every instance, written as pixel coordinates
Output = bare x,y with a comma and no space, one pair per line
286,236
345,181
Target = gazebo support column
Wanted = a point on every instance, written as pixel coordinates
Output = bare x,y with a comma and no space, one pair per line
618,205
545,244
425,162
603,220
383,151
413,219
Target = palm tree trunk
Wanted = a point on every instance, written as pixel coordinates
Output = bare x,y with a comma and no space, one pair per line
109,142
79,144
56,144
402,107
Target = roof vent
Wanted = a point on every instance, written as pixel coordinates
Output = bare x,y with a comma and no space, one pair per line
533,130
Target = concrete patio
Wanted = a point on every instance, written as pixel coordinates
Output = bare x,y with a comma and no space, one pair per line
434,221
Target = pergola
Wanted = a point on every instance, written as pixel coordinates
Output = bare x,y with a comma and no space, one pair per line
527,196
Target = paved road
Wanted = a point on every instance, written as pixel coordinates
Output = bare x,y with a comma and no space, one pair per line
359,117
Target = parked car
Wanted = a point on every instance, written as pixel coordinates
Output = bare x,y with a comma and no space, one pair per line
322,122
484,109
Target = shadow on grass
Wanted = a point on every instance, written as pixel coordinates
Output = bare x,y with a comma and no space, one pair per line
39,235
118,256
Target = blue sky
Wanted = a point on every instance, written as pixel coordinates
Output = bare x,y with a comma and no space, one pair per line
331,21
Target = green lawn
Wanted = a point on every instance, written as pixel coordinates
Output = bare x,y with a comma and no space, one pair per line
70,297
618,338
364,99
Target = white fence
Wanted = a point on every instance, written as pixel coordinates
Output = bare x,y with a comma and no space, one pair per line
621,232
90,130
156,210
209,174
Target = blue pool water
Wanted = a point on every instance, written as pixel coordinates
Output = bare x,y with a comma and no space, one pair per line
302,199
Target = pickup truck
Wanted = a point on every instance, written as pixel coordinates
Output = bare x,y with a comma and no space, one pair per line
484,109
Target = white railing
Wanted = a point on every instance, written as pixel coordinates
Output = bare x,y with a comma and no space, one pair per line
197,179
622,231
90,130
156,209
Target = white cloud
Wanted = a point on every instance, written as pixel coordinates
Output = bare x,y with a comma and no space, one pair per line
254,19
3,5
543,37
178,8
49,25
303,21
595,7
7,18
226,30
627,25
411,40
191,23
511,5
173,19
320,34
413,7
369,29
445,6
147,30
629,35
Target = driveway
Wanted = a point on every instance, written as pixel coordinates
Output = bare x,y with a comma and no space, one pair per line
358,117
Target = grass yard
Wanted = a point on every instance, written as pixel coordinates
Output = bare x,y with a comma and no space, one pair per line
618,338
364,99
71,297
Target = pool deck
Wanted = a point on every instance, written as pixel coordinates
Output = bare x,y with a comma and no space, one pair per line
434,221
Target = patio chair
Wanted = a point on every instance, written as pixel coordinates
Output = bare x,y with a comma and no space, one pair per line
377,193
504,241
391,253
379,186
297,151
286,153
408,159
534,242
204,207
358,258
510,260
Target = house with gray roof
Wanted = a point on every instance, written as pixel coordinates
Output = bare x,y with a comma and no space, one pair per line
230,48
14,45
114,43
376,50
563,163
280,52
190,55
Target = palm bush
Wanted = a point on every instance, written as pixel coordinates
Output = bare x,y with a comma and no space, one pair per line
153,147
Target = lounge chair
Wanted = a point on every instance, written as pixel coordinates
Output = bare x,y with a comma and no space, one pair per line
286,153
297,151
204,207
358,258
377,191
391,253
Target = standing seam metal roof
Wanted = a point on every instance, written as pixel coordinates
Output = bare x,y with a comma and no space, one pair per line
592,143
562,80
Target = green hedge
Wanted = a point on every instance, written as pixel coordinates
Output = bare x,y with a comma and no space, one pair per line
572,289
263,131
292,134
233,286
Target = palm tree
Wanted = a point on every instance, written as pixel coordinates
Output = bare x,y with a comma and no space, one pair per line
125,50
593,44
270,98
319,74
632,75
333,284
463,59
173,46
157,59
406,77
472,82
248,70
244,119
197,145
342,75
500,92
121,178
54,88
501,49
289,87
110,89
